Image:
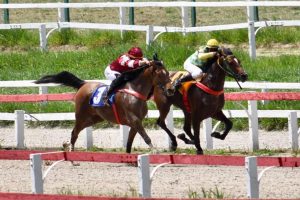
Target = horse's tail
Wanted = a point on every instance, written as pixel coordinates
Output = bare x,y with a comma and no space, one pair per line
64,78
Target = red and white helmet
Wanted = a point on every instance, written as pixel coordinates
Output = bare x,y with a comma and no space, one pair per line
135,52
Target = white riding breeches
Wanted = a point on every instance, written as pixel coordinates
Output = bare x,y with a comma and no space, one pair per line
110,74
192,69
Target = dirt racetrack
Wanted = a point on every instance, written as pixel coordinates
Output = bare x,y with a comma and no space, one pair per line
108,179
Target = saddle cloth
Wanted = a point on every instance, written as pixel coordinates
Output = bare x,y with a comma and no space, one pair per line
96,99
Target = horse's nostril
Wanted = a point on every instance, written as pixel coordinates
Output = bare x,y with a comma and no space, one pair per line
244,77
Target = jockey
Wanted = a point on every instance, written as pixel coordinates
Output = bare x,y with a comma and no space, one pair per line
124,63
196,63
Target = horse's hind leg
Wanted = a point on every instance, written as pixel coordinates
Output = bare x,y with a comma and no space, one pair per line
80,124
228,125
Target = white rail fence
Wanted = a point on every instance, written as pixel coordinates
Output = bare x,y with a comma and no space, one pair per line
145,175
19,117
151,30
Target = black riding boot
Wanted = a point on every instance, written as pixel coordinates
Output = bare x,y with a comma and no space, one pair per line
114,85
183,79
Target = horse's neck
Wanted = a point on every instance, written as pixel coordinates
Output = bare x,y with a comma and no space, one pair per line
215,78
142,84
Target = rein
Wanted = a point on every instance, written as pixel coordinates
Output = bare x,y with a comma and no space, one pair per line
229,72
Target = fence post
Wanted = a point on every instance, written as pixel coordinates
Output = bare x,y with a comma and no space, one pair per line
170,124
207,129
264,102
252,179
144,176
184,18
122,12
253,125
131,14
255,13
293,128
66,12
36,173
149,35
61,15
43,38
124,132
251,32
19,128
5,13
193,16
88,137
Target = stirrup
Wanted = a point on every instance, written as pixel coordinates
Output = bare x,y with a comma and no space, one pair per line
177,84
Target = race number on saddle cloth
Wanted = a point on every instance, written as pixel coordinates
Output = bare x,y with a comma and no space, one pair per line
97,98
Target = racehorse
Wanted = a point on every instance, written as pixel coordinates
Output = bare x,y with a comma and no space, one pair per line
201,100
129,107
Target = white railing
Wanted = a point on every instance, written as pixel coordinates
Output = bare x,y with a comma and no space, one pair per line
19,117
150,30
262,85
251,113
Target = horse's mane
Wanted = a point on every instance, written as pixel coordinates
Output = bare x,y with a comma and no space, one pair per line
223,51
132,74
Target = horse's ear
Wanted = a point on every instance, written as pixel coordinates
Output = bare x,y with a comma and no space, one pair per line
155,56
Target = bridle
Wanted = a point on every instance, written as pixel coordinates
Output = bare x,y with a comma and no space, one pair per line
227,59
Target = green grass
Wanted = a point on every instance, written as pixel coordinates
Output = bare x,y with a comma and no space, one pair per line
24,61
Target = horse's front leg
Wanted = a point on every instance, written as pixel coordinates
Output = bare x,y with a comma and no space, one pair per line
137,125
163,112
131,135
187,130
228,125
196,127
163,105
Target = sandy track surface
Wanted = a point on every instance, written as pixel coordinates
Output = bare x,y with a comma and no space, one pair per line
120,180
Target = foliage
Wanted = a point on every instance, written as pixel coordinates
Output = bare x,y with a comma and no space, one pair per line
101,47
209,194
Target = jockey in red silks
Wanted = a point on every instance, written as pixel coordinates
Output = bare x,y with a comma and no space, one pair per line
124,63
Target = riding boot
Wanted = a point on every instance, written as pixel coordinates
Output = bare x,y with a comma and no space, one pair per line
181,80
114,84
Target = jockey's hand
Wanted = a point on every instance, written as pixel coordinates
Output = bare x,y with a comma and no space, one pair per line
145,62
216,54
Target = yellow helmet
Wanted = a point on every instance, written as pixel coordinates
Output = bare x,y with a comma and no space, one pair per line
212,43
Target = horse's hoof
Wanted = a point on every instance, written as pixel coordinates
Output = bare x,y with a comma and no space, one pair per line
154,151
217,135
199,152
181,136
66,146
75,164
173,148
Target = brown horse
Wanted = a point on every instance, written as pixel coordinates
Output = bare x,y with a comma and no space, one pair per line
198,104
129,107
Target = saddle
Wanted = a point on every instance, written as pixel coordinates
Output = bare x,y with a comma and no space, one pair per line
185,86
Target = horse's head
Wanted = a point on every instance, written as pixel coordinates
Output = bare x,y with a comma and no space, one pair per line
231,65
161,76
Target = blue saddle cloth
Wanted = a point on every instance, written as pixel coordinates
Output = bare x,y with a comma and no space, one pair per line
96,99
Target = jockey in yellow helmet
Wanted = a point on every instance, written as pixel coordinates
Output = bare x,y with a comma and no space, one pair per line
195,64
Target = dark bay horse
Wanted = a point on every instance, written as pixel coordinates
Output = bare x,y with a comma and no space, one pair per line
201,100
129,108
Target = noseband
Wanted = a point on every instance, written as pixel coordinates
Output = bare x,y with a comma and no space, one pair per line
226,60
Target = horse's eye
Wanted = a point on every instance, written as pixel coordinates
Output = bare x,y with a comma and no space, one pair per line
229,59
